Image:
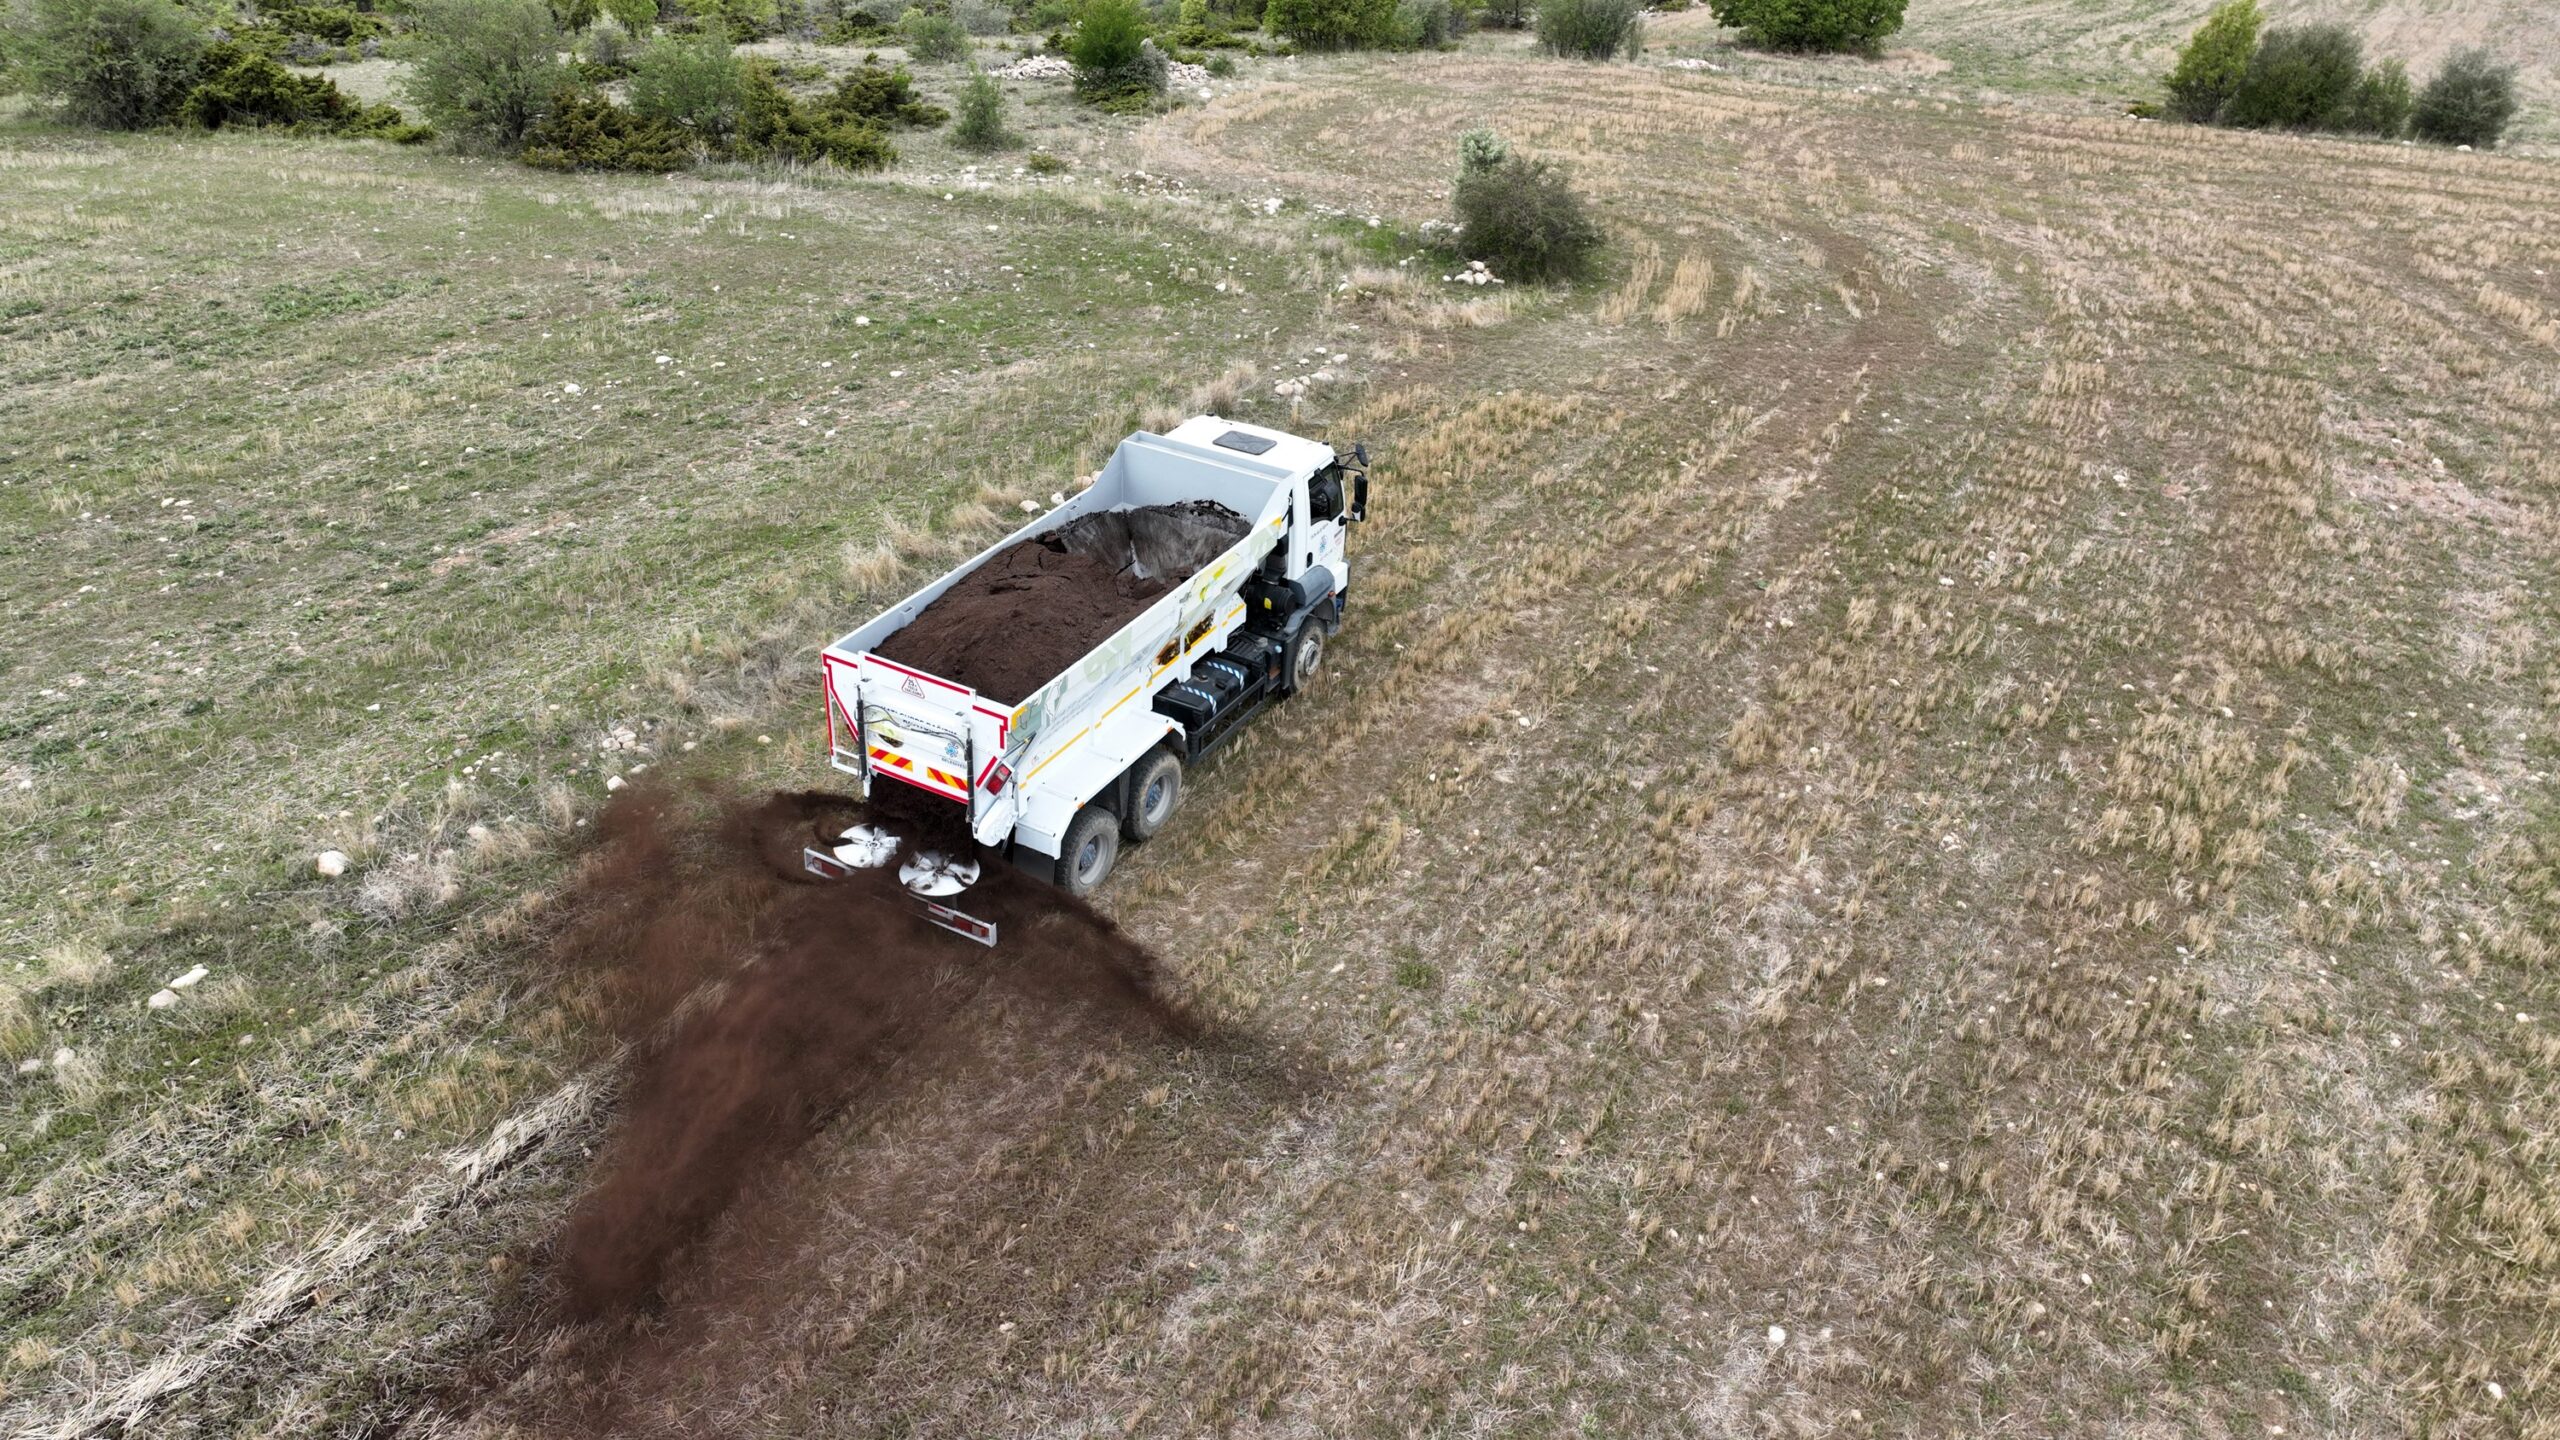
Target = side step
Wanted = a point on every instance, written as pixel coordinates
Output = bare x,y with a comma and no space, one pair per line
968,927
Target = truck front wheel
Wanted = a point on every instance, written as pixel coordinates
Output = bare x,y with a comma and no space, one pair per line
1155,787
1092,845
1304,656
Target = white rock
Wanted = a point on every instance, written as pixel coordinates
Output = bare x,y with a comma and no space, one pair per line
31,1065
613,782
1030,507
63,1057
861,320
1777,1334
162,999
331,863
572,387
191,979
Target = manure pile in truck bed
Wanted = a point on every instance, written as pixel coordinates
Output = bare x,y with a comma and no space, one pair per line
1011,625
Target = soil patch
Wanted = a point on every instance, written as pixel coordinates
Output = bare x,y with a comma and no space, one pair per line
760,998
1014,623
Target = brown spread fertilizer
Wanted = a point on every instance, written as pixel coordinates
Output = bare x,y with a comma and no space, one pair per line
757,999
1016,622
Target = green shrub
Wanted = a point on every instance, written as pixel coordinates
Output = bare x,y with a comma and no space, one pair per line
635,16
2301,78
1429,24
1479,150
1041,162
1117,66
1592,29
1191,23
484,71
982,17
575,15
878,96
2215,58
333,23
1222,66
608,47
2469,102
1520,217
934,39
2380,104
742,20
694,83
981,115
241,87
773,126
1331,24
585,131
1505,14
114,64
1811,24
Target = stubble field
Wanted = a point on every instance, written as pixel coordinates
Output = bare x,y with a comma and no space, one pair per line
1935,817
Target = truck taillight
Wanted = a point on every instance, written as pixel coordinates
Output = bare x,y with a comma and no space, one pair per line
999,775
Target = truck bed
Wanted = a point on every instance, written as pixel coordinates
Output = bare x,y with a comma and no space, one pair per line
1016,620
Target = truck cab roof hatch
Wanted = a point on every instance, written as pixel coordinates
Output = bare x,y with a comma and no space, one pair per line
1246,441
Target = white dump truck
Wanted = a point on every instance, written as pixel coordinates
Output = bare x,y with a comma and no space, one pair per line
1230,537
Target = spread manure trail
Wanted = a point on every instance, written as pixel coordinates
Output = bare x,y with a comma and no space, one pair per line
758,1000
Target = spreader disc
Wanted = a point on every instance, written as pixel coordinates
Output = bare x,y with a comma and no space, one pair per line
931,872
866,847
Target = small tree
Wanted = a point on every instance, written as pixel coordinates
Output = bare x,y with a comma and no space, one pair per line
1520,216
980,123
2468,103
1117,66
2301,78
2380,104
484,71
936,39
694,83
1504,14
115,64
1592,29
1331,24
1480,150
585,131
637,16
1811,24
2215,58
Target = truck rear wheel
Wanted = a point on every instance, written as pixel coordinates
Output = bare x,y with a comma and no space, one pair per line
1305,655
1155,787
1092,845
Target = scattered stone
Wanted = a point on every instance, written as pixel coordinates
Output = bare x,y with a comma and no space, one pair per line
162,999
331,863
1777,1334
191,979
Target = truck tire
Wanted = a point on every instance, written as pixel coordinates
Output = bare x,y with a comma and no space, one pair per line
1092,845
1155,787
1305,655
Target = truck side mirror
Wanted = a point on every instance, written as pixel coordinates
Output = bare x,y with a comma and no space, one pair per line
1359,495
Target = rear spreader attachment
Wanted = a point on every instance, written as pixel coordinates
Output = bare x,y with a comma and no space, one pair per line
930,875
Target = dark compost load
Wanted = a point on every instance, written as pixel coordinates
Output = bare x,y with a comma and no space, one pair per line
1013,624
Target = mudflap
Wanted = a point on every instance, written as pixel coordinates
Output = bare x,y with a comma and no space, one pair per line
968,927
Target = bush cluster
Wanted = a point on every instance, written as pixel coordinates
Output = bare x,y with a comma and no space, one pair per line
1332,24
2314,78
135,64
242,88
1519,215
693,83
1855,25
1592,29
583,130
